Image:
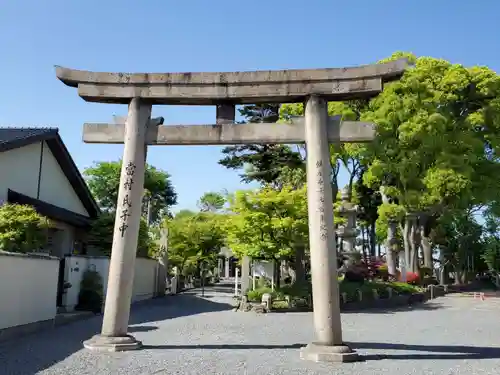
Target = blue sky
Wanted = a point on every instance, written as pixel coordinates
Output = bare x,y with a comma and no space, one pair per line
217,35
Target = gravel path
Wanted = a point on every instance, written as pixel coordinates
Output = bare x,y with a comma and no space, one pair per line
187,334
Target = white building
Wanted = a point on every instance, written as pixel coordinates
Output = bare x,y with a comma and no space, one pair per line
37,169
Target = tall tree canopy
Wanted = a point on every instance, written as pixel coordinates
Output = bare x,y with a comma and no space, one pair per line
211,202
436,148
101,236
195,238
267,223
261,163
103,179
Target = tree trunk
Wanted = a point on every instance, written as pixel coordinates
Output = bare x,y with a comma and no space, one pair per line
427,252
373,241
277,273
335,190
300,272
391,248
364,243
406,243
414,245
426,242
460,277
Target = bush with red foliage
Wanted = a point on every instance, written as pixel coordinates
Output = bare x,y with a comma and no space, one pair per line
411,278
357,273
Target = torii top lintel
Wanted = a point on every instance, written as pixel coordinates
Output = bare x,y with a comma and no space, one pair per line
267,86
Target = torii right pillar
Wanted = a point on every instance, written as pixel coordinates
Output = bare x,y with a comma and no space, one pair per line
328,345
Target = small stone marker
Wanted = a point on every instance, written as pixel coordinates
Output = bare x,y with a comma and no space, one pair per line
267,300
344,297
360,295
389,292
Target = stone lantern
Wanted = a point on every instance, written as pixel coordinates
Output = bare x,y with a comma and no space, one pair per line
347,231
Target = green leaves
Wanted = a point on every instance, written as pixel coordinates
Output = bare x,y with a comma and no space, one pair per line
267,223
431,134
101,236
212,202
262,163
195,237
22,229
104,180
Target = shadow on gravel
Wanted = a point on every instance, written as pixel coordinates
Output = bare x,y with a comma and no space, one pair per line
175,307
432,352
370,309
224,346
34,353
429,306
134,329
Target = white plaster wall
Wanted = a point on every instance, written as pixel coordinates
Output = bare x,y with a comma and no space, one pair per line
55,187
19,171
144,279
28,289
67,238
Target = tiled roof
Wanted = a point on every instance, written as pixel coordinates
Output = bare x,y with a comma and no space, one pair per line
17,137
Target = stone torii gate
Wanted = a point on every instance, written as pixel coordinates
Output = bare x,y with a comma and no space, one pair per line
225,90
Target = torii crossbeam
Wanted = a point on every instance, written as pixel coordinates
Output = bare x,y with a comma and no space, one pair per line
226,90
227,134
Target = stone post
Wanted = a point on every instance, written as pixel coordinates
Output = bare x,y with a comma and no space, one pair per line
226,267
219,267
245,274
163,262
236,272
328,345
114,335
348,231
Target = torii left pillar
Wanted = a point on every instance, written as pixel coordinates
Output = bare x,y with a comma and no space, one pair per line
114,334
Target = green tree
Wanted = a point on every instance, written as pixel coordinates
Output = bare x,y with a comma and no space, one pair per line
211,202
193,239
348,156
368,200
437,134
459,237
270,224
491,240
101,236
22,229
261,163
103,179
184,213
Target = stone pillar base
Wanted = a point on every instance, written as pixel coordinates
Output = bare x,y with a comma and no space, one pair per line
323,353
112,344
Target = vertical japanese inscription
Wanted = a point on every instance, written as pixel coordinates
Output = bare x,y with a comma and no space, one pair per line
321,200
127,202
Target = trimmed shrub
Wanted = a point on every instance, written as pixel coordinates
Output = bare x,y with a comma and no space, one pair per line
22,228
256,295
90,297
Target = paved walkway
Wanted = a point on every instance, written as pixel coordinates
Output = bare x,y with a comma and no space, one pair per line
187,334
